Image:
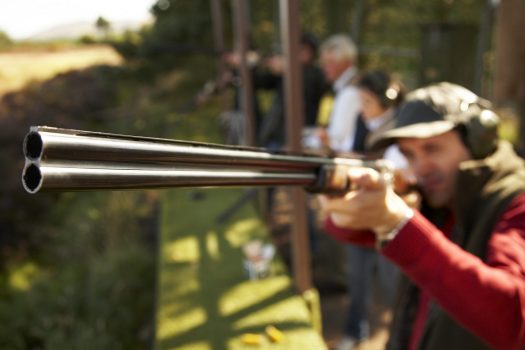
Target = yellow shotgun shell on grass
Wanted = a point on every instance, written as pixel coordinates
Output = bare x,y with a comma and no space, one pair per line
252,339
275,335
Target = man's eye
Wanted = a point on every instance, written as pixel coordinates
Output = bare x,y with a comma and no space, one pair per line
432,149
408,155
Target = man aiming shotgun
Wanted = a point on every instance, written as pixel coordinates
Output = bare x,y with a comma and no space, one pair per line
463,250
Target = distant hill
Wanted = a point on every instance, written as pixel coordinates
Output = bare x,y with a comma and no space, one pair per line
77,29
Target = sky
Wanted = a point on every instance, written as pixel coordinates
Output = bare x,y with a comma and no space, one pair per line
21,19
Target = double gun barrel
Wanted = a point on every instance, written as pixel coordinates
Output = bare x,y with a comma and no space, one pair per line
72,160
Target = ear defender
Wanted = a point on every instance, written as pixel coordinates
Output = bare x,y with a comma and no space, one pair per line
482,133
380,84
388,99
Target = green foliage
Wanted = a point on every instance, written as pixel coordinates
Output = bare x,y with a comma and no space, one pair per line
97,303
87,40
128,44
77,269
179,27
77,99
390,34
95,284
5,40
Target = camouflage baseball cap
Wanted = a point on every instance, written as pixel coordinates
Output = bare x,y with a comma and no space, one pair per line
431,111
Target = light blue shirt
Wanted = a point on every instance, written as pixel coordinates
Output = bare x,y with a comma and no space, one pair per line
347,105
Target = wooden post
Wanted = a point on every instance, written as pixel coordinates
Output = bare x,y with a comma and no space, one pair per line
357,21
246,94
509,79
484,41
218,38
289,18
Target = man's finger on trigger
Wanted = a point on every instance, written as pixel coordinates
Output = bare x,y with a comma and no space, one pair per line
366,178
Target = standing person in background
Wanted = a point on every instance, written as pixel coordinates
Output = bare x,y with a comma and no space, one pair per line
273,128
338,57
272,133
315,84
380,96
463,249
234,118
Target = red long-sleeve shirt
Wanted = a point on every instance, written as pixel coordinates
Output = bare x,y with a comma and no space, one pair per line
485,296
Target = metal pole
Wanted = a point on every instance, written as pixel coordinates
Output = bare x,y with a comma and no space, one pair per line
247,93
289,15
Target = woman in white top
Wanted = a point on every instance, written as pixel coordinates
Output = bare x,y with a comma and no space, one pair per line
379,98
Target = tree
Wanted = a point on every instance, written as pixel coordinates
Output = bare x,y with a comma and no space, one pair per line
103,26
179,27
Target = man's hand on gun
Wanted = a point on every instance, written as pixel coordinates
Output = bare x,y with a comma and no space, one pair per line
371,204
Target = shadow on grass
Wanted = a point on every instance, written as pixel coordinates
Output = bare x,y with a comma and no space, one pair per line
204,295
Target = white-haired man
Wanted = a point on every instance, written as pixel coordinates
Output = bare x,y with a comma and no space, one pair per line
338,58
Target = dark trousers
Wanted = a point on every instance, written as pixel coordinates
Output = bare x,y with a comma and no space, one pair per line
367,269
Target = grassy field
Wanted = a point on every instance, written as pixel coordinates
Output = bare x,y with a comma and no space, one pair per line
205,300
17,68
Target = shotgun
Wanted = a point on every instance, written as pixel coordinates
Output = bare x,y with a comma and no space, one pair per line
73,160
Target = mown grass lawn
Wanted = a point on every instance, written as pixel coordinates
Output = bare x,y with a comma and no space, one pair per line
17,68
205,300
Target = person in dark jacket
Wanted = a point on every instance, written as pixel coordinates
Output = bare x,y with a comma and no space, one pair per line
273,126
463,250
